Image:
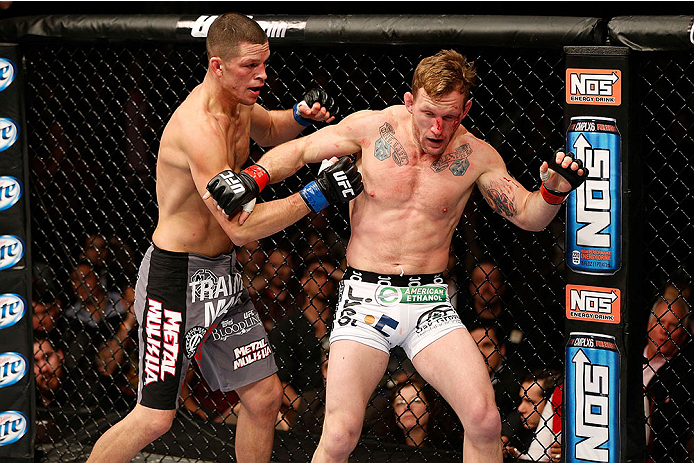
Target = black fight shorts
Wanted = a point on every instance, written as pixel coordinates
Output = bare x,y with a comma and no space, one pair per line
191,306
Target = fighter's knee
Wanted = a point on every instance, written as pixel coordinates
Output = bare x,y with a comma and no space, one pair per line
275,395
265,397
159,427
340,436
154,425
485,421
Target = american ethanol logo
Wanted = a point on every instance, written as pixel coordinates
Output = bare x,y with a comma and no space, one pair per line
392,295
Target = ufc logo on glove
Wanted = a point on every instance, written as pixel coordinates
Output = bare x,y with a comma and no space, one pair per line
233,182
342,181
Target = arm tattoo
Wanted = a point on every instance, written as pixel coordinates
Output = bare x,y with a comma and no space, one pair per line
457,161
388,144
500,197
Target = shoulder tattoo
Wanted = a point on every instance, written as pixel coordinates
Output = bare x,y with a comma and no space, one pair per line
388,145
457,161
500,197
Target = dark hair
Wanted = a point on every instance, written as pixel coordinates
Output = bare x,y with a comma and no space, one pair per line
548,380
489,326
443,428
229,31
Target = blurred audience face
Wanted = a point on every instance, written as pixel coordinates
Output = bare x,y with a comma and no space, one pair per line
278,272
45,316
317,249
85,284
486,285
410,408
488,345
319,283
47,367
532,404
96,250
666,327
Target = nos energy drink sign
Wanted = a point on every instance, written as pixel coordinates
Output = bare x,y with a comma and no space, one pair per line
593,225
591,397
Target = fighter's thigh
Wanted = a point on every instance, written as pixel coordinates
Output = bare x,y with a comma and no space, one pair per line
454,366
354,370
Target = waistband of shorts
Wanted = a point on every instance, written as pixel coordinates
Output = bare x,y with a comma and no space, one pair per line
392,280
186,255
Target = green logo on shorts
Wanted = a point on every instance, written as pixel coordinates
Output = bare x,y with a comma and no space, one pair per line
392,295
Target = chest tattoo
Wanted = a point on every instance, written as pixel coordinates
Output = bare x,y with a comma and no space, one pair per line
388,145
457,161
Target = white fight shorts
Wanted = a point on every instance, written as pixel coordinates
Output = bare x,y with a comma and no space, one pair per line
384,311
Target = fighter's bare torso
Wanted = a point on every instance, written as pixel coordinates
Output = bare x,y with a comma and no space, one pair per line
185,223
412,201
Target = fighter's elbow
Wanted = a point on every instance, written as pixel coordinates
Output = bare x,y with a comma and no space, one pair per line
529,225
239,239
535,228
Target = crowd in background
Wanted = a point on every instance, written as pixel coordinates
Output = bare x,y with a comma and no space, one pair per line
86,338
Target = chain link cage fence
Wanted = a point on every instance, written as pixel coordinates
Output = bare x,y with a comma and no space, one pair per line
95,112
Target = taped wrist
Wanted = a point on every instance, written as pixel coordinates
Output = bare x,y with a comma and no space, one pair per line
314,197
298,117
259,174
552,196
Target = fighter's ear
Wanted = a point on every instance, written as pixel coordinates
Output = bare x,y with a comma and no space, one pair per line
409,101
216,65
466,109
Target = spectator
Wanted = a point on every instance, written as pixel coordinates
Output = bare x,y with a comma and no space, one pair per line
411,407
200,400
680,286
399,370
492,345
319,236
310,410
112,260
548,437
122,269
96,252
48,370
297,340
487,288
417,416
51,394
46,302
489,296
536,390
276,299
668,379
97,334
528,340
313,247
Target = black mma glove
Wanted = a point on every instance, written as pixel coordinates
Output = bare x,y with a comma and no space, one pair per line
314,95
557,197
339,183
231,189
